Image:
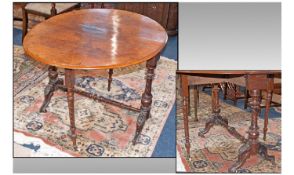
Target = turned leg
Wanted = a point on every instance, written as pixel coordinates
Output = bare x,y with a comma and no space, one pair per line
253,129
215,110
185,95
196,101
110,72
69,83
251,147
51,87
146,100
267,108
24,22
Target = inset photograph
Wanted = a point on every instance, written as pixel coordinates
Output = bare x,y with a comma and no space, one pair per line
229,121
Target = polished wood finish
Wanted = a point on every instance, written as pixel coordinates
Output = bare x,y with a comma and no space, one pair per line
69,83
106,39
185,95
100,98
96,39
110,72
146,100
255,82
217,119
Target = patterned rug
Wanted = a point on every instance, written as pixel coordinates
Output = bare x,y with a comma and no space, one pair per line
218,150
103,130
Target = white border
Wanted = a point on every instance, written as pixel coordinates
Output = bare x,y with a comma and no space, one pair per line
6,84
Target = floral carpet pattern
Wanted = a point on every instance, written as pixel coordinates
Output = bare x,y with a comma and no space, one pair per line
218,150
102,130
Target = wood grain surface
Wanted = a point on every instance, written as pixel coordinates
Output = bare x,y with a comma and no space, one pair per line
95,39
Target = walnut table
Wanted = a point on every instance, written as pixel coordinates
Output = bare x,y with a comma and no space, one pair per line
96,39
255,82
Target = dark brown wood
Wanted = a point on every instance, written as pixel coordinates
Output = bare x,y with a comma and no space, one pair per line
107,39
269,92
110,72
69,83
87,39
233,92
246,99
53,10
196,101
146,100
165,13
255,82
217,119
267,108
24,22
100,99
185,95
51,87
172,21
252,146
225,84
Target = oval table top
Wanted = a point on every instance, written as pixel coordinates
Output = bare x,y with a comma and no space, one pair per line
95,39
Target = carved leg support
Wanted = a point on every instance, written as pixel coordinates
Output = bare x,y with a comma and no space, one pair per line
252,146
244,154
110,72
146,100
217,119
215,111
51,87
69,82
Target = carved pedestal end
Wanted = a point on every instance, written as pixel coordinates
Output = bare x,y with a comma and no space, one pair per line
140,122
69,82
146,100
51,87
252,146
209,124
217,119
244,154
